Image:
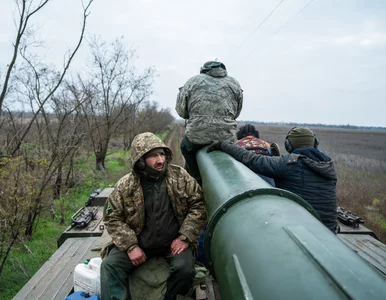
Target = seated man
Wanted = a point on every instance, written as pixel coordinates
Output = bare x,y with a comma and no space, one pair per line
156,210
210,103
305,171
248,137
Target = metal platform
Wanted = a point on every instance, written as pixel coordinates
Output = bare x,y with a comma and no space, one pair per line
94,228
345,229
101,198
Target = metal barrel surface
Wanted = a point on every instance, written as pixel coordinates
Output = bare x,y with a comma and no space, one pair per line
262,242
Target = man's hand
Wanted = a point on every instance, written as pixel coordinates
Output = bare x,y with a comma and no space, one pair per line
137,256
216,145
178,246
275,149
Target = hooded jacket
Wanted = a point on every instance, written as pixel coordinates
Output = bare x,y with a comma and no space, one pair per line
210,102
124,212
306,172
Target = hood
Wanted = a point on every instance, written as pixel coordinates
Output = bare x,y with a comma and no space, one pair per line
143,143
313,153
217,72
318,162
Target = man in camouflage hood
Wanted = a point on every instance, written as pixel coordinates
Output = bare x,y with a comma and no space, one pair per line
210,102
156,210
304,170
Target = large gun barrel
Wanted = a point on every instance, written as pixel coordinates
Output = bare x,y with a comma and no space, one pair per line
262,242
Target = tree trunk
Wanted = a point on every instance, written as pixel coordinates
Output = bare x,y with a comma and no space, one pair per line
30,224
100,154
8,251
58,183
100,161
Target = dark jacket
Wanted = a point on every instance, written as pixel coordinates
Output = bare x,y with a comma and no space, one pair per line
306,172
161,225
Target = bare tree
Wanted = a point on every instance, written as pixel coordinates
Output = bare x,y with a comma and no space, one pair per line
64,135
33,148
154,119
27,9
39,83
148,117
115,86
17,188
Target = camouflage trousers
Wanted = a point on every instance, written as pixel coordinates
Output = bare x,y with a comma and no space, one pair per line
117,267
188,150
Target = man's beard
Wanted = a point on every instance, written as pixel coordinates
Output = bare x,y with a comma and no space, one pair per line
154,173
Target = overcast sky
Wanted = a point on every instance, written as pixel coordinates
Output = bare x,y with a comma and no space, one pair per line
326,64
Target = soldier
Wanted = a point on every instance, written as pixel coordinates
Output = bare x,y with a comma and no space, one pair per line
304,170
156,210
249,138
210,102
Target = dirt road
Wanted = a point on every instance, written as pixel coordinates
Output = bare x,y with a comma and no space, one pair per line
173,140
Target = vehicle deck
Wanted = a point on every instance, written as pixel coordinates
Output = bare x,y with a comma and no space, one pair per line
54,280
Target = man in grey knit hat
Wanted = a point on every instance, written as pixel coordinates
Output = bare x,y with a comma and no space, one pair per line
304,170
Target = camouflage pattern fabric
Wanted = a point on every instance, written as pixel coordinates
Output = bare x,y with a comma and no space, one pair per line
124,212
210,103
143,143
254,144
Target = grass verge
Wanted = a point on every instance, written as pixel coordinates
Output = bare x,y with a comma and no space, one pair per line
28,256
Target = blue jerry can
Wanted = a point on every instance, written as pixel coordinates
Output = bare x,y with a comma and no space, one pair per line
201,253
82,295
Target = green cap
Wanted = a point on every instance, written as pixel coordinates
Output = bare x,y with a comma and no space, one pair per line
209,65
301,137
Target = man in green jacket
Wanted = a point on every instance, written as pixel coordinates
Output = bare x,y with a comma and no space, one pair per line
156,210
210,102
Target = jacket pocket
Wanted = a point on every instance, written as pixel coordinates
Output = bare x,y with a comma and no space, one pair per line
130,212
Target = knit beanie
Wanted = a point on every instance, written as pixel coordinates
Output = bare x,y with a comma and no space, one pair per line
301,137
209,65
246,130
152,151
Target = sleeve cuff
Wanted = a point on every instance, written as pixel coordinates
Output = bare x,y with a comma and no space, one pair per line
131,248
183,238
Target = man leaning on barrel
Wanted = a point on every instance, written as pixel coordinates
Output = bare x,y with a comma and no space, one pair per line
304,170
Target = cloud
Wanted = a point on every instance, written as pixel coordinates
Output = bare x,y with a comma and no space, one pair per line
374,39
331,53
344,40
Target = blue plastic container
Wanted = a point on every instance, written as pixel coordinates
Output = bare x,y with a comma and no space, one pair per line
82,295
201,253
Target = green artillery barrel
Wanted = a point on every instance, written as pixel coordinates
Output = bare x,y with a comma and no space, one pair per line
266,243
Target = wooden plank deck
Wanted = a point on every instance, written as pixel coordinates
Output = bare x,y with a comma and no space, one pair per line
54,280
368,247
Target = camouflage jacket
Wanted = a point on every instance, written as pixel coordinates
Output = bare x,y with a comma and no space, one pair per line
210,103
124,213
256,145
